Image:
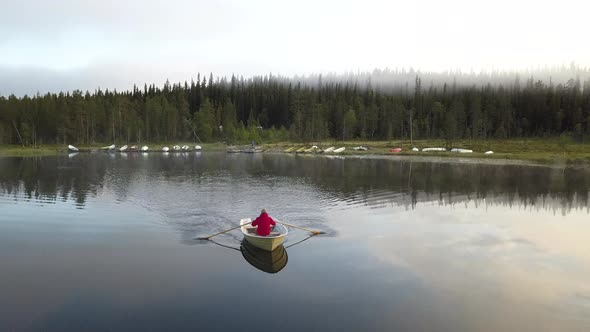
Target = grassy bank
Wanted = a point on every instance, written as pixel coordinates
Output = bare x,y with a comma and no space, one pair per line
546,151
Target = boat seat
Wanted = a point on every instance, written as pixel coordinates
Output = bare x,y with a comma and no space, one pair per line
252,230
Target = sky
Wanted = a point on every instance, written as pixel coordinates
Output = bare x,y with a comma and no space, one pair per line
70,44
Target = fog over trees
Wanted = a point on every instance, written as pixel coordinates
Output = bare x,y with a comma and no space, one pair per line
373,106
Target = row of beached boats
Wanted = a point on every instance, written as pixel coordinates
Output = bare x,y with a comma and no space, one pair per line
145,148
314,149
456,150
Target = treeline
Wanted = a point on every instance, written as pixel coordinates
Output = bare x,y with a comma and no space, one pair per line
269,109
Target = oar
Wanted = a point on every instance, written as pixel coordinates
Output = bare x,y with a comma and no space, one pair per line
305,229
227,230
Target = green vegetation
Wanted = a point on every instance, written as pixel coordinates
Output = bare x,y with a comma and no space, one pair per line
269,109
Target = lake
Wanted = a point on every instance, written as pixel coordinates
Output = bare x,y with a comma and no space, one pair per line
106,242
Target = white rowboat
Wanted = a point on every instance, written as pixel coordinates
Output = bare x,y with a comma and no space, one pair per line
123,148
185,147
269,242
165,149
144,148
197,147
489,152
339,150
176,148
330,149
73,148
462,150
110,147
433,149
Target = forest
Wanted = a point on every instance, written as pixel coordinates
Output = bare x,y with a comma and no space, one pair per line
270,109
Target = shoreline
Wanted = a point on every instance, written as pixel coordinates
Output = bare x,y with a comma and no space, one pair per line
534,152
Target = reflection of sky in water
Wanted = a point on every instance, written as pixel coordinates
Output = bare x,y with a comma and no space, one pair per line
93,242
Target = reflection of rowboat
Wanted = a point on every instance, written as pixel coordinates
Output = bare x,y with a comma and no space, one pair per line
268,243
267,261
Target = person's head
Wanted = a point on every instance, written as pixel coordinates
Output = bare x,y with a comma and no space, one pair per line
262,211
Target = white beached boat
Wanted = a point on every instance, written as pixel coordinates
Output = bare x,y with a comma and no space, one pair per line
123,148
330,149
73,148
269,242
133,147
176,148
144,148
434,149
110,147
415,149
462,150
360,148
185,148
165,149
489,152
339,150
198,148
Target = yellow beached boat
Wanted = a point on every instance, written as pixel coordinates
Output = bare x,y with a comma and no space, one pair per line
289,149
300,150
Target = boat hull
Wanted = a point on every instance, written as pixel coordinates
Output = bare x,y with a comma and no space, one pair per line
267,243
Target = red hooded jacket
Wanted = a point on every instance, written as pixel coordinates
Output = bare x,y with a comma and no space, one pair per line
263,222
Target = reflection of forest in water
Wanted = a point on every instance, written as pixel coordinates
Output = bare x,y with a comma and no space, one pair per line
372,182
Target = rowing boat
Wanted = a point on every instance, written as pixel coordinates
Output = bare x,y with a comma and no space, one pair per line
339,150
396,150
300,150
73,148
462,150
434,150
269,242
289,150
330,149
123,148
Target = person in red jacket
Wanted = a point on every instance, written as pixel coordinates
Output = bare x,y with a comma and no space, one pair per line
264,221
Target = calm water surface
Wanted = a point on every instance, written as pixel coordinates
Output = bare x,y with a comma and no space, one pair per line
100,242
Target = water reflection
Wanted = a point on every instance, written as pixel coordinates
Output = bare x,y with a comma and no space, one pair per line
266,261
374,183
412,246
